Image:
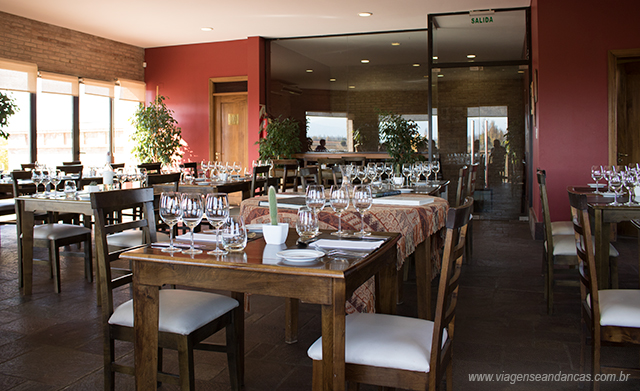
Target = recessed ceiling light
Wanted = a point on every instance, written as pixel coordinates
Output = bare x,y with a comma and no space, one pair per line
206,28
395,43
365,14
352,86
435,57
416,65
471,56
332,79
364,61
309,70
440,75
521,71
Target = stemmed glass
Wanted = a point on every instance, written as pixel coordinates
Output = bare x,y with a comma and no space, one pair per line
56,178
615,185
435,167
121,176
629,182
406,171
314,198
36,178
597,174
170,212
426,170
361,173
339,200
192,212
216,209
45,180
388,169
362,201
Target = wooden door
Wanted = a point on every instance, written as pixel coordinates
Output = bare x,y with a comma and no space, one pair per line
628,112
230,128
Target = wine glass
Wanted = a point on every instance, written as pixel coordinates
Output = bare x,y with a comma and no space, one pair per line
170,212
629,182
615,185
121,176
45,179
192,212
435,168
406,171
56,178
362,201
216,209
597,174
237,167
314,198
361,173
426,170
388,169
339,200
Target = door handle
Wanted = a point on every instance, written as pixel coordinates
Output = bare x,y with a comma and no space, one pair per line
622,156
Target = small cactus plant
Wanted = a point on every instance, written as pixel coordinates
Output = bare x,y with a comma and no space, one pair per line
273,206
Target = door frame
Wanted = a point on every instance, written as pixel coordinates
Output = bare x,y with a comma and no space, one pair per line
613,80
212,107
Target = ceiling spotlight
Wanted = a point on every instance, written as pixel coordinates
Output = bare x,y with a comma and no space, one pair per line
395,43
440,75
206,28
309,70
416,65
435,57
471,56
352,86
364,61
332,79
365,14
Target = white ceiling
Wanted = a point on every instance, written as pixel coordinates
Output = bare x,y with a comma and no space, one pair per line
156,23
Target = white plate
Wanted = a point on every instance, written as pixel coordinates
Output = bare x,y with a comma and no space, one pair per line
406,190
254,227
300,256
593,185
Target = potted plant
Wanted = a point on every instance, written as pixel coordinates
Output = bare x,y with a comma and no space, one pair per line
157,134
7,109
401,138
274,233
282,139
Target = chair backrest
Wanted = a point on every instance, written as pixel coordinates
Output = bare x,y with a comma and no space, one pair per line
104,204
156,179
456,231
71,163
355,160
586,261
309,176
259,173
28,166
472,176
115,166
461,192
152,168
75,170
20,189
193,166
290,170
546,215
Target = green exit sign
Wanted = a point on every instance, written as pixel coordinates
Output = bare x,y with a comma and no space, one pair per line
481,19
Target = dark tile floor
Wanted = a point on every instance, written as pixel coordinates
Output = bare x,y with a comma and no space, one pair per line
53,341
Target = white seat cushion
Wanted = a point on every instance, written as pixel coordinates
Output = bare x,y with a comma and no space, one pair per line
181,311
562,228
566,245
619,307
132,238
58,231
387,341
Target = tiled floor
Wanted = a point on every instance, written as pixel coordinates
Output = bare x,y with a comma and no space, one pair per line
53,341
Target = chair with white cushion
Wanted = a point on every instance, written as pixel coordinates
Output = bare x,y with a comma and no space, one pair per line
396,351
187,317
609,317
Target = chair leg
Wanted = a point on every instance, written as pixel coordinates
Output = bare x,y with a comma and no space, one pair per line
185,363
88,260
233,354
109,359
54,258
291,320
316,384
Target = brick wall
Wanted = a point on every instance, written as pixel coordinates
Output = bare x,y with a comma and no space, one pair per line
60,50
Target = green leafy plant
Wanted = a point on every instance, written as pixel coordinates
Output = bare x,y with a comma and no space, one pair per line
282,139
401,137
7,109
273,206
157,134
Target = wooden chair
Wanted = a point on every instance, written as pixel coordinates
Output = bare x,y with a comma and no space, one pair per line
309,176
115,166
402,352
609,317
355,160
187,317
260,181
289,173
53,235
193,166
152,168
325,168
28,166
471,188
462,185
73,163
560,255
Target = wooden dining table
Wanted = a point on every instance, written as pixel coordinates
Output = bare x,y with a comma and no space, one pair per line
328,283
204,187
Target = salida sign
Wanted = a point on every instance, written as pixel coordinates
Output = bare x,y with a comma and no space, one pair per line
481,19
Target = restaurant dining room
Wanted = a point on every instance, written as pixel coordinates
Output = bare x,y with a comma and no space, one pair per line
277,196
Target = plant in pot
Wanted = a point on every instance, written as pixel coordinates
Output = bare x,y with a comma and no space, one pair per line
157,134
7,109
281,141
401,138
274,233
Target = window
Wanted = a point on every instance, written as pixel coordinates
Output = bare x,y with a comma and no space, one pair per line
15,150
129,95
331,127
95,122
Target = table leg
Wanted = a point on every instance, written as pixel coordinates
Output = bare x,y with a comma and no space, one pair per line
602,232
292,307
387,286
423,278
145,313
333,330
239,330
26,249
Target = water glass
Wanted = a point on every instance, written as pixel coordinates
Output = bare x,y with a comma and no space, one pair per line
216,209
170,212
314,198
234,234
339,201
70,189
307,223
192,212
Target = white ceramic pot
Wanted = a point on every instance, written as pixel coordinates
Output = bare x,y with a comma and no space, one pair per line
275,234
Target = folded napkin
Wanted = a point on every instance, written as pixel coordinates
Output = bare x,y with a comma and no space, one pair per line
198,237
362,245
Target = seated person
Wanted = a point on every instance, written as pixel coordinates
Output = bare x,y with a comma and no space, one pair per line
322,147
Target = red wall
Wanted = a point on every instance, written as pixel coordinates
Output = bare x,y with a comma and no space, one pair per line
182,74
571,41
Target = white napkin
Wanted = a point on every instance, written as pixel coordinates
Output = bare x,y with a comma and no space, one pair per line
362,245
198,237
